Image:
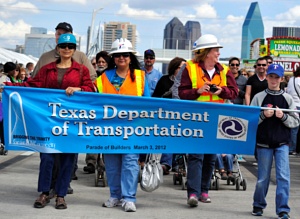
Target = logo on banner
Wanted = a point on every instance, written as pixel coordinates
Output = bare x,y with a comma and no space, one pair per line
232,128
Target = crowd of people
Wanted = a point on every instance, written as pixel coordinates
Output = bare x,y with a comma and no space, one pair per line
201,79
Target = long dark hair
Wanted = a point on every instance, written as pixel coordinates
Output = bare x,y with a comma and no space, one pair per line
174,64
134,64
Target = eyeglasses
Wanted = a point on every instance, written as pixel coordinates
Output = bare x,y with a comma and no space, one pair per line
125,55
94,63
261,65
244,74
234,64
150,57
65,45
270,63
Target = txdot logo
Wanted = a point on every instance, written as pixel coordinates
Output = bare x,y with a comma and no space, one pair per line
232,128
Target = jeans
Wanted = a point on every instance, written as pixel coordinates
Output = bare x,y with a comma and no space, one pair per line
122,175
65,168
167,159
282,168
225,162
200,169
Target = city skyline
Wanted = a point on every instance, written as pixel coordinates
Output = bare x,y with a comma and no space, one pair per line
221,18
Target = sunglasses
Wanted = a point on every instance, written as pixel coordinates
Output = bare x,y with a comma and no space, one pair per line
234,64
125,55
261,65
270,62
93,63
149,57
244,74
65,45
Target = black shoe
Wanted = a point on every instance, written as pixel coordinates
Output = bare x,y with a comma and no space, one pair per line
90,168
70,190
74,177
257,211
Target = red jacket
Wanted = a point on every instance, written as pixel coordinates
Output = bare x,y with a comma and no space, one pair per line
76,76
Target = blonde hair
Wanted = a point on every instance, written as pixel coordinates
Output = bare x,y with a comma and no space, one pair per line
201,54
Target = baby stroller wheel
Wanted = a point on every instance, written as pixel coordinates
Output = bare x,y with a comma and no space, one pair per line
244,184
96,176
237,184
217,184
228,181
174,179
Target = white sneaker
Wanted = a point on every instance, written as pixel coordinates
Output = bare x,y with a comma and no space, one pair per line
129,206
112,202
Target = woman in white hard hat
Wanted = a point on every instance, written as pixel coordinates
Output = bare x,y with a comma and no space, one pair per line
66,74
125,77
204,79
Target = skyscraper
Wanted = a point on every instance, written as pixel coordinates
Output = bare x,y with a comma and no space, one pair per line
116,30
177,36
253,28
286,32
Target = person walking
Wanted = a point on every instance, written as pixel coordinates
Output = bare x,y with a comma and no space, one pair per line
123,77
66,74
272,140
203,79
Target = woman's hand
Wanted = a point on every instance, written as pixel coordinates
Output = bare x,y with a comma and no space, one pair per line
71,90
204,88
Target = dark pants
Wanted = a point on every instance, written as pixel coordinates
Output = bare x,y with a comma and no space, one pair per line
200,169
65,167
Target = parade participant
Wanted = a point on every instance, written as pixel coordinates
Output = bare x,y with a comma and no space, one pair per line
66,74
102,60
203,79
163,90
272,140
124,77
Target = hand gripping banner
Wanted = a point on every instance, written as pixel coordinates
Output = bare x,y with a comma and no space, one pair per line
49,121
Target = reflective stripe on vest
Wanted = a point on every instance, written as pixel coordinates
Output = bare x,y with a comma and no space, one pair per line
138,79
194,71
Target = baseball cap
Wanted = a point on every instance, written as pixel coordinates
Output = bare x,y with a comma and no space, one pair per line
65,26
66,38
275,69
149,52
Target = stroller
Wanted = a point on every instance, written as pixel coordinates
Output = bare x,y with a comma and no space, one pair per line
181,170
236,180
2,150
100,174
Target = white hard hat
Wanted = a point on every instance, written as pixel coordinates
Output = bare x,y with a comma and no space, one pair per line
121,45
206,41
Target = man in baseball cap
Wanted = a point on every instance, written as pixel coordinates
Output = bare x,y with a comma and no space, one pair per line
65,26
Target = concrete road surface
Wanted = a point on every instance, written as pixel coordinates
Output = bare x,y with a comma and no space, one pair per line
19,175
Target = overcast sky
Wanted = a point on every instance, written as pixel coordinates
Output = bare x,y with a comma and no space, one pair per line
223,18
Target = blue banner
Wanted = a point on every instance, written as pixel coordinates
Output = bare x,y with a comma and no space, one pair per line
47,120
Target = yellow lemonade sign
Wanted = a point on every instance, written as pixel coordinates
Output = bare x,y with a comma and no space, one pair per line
284,47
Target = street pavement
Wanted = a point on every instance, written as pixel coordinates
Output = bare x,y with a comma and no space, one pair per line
19,175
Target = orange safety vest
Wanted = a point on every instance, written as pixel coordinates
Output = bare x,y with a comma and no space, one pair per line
127,88
198,79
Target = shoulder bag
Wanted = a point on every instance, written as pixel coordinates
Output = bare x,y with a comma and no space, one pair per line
152,174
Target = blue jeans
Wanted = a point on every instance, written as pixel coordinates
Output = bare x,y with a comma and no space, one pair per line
122,175
200,169
65,167
282,168
225,162
167,159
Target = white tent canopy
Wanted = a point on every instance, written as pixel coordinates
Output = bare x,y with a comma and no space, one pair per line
10,56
